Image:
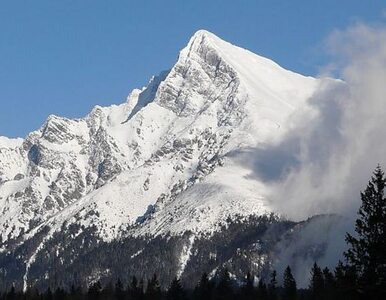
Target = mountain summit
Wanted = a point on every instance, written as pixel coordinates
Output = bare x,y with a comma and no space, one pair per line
169,160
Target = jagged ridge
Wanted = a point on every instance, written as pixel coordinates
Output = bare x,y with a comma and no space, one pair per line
165,158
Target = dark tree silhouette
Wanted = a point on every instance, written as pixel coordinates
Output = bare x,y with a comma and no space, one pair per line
272,286
135,289
316,286
48,294
345,282
107,292
153,290
262,290
60,294
204,288
367,252
247,291
11,294
329,284
224,289
119,290
175,291
76,293
289,285
94,291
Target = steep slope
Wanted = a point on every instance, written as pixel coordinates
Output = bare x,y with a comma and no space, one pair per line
167,160
163,180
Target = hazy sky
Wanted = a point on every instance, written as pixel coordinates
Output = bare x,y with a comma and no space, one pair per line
64,57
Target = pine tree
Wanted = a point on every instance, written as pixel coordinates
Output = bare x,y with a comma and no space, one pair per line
11,294
107,292
48,294
153,291
272,286
224,289
76,293
204,288
289,285
60,294
316,282
175,291
367,252
119,291
94,291
345,282
247,290
32,294
262,290
141,289
134,291
329,284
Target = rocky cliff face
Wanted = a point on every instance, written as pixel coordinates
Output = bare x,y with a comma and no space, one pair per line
167,161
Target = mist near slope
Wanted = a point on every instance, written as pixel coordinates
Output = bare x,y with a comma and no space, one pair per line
331,149
335,142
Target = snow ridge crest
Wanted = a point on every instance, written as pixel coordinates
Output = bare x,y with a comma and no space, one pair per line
169,149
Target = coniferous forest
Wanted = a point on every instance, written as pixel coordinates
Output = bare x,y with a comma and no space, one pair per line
362,274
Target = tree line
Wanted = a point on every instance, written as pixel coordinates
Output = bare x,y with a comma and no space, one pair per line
361,276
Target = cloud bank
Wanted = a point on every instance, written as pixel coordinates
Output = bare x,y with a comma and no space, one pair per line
328,156
324,162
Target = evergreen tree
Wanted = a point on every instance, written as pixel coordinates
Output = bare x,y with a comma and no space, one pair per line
107,292
247,290
289,285
11,295
94,291
175,291
76,293
32,294
224,289
203,290
316,282
345,282
141,290
272,286
133,289
367,252
329,284
340,282
262,290
119,290
60,294
153,291
48,294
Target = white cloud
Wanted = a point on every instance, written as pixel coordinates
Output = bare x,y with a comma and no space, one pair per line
332,155
327,158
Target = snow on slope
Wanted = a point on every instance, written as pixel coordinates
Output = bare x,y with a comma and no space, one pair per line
162,159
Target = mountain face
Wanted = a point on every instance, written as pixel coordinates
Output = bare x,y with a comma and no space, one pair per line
164,169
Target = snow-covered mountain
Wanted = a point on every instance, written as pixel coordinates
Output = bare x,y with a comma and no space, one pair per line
168,160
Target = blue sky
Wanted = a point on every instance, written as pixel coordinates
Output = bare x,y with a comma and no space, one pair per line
64,57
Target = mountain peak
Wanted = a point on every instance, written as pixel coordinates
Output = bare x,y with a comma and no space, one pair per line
208,62
173,161
169,137
203,37
202,33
